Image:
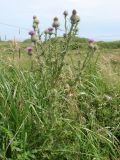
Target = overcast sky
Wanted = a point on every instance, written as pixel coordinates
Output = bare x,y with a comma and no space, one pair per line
100,19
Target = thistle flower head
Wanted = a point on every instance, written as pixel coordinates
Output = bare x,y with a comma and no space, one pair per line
34,17
56,23
55,19
92,44
31,33
74,12
90,41
74,19
65,13
29,50
34,38
50,29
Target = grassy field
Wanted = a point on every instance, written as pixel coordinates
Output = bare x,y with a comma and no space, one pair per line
56,106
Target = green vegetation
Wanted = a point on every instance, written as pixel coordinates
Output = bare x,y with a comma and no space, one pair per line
53,113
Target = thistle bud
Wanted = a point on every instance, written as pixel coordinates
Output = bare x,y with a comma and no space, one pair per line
36,21
74,19
56,23
74,12
29,50
55,19
65,13
34,38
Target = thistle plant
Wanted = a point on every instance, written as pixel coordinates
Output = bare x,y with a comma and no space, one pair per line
35,106
52,53
55,25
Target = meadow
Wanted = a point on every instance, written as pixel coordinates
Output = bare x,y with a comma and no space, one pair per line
60,99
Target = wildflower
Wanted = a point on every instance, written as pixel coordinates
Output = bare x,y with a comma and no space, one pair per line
50,30
92,44
90,41
29,50
34,17
65,13
35,20
31,33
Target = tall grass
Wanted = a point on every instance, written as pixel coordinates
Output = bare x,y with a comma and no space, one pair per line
74,117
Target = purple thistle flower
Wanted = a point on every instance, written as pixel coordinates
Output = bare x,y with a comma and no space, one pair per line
50,29
31,33
29,50
90,41
34,17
